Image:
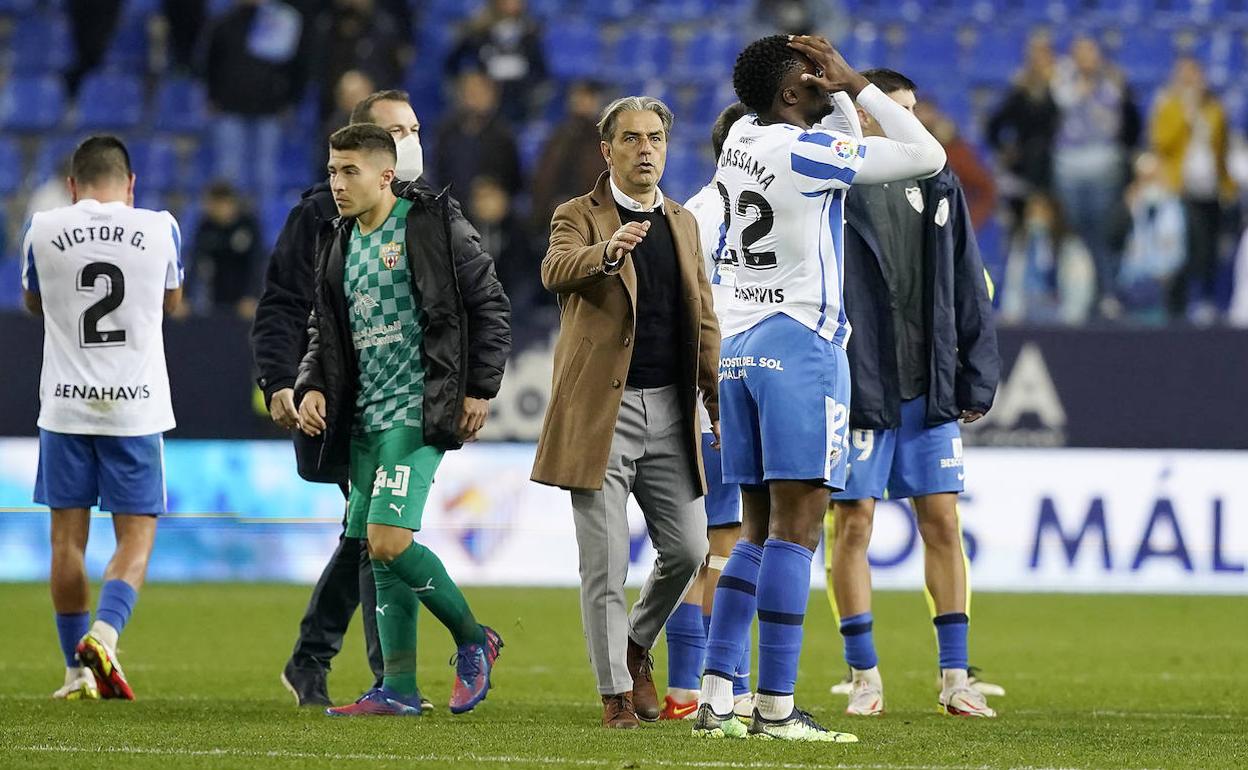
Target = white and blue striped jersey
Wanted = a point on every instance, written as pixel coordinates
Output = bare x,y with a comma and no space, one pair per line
101,270
783,189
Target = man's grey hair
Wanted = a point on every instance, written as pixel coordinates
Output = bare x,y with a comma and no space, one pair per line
611,115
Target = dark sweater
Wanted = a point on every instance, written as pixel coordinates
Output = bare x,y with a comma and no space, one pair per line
655,355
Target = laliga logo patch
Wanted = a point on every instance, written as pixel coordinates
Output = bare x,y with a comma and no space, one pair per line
390,254
844,149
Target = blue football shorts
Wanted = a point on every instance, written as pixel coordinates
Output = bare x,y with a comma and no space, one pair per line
912,460
723,501
783,405
121,474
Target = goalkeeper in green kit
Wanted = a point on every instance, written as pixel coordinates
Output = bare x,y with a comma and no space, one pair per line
408,337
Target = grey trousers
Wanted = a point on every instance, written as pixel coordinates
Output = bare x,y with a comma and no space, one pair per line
649,458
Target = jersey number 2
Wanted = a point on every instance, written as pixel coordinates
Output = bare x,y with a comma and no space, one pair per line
89,334
753,232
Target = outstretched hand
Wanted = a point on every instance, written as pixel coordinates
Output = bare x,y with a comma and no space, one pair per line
832,73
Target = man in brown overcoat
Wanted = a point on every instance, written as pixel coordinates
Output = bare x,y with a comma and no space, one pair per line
638,343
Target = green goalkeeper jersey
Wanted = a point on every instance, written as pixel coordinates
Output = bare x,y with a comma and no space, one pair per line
386,326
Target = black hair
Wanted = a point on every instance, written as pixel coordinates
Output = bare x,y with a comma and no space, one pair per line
363,112
889,81
760,68
366,137
719,132
99,157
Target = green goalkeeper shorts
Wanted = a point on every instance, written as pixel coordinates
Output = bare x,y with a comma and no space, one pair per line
391,473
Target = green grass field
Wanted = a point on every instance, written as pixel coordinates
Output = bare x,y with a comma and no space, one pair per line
1093,681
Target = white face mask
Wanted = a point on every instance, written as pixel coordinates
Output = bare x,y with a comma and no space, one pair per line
411,161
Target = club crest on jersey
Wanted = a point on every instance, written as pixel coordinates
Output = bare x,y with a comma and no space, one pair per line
390,253
844,148
915,196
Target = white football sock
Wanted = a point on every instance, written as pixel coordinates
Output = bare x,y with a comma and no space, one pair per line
952,678
717,691
106,634
774,707
870,675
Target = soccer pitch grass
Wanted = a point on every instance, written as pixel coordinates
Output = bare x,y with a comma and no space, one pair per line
1093,681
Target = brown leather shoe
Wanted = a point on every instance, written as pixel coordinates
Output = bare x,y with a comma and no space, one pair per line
618,712
645,698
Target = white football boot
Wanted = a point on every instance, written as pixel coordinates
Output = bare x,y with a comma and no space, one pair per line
959,698
866,697
79,685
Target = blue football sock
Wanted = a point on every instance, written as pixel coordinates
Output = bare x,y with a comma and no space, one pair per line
686,647
117,599
859,642
783,591
706,626
741,682
951,629
71,627
735,605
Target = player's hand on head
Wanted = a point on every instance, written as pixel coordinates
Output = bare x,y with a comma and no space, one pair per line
282,408
472,420
834,73
312,413
624,240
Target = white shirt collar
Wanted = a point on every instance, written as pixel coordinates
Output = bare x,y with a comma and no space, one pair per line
632,205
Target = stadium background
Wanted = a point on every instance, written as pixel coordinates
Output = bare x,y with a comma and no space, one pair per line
1112,461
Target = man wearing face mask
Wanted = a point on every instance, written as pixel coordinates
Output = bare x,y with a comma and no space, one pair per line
279,339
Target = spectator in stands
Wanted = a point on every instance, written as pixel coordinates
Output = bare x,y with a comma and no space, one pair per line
358,35
254,67
977,182
571,160
1022,129
506,43
352,88
92,24
1050,278
184,21
1155,245
473,140
1189,134
1098,125
504,235
227,253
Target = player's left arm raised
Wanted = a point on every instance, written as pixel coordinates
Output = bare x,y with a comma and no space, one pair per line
980,364
489,323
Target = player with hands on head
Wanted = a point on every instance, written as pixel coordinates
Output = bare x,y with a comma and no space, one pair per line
784,376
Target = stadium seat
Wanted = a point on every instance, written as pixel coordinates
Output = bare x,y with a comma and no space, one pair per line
32,103
41,44
1147,55
640,53
929,52
529,143
156,163
52,158
996,55
572,47
110,101
17,7
11,161
181,105
708,54
127,52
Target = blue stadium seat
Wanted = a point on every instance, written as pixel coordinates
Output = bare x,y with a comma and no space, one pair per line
52,158
928,53
1147,56
41,44
32,103
863,47
155,163
709,54
572,47
110,101
529,143
11,162
996,55
640,53
17,7
605,10
181,105
127,52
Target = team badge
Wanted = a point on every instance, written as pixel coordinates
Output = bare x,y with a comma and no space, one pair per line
844,149
390,253
915,196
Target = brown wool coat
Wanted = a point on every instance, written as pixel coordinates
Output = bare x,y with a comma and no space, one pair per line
594,348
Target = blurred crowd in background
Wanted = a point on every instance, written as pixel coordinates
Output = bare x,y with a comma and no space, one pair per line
1101,144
